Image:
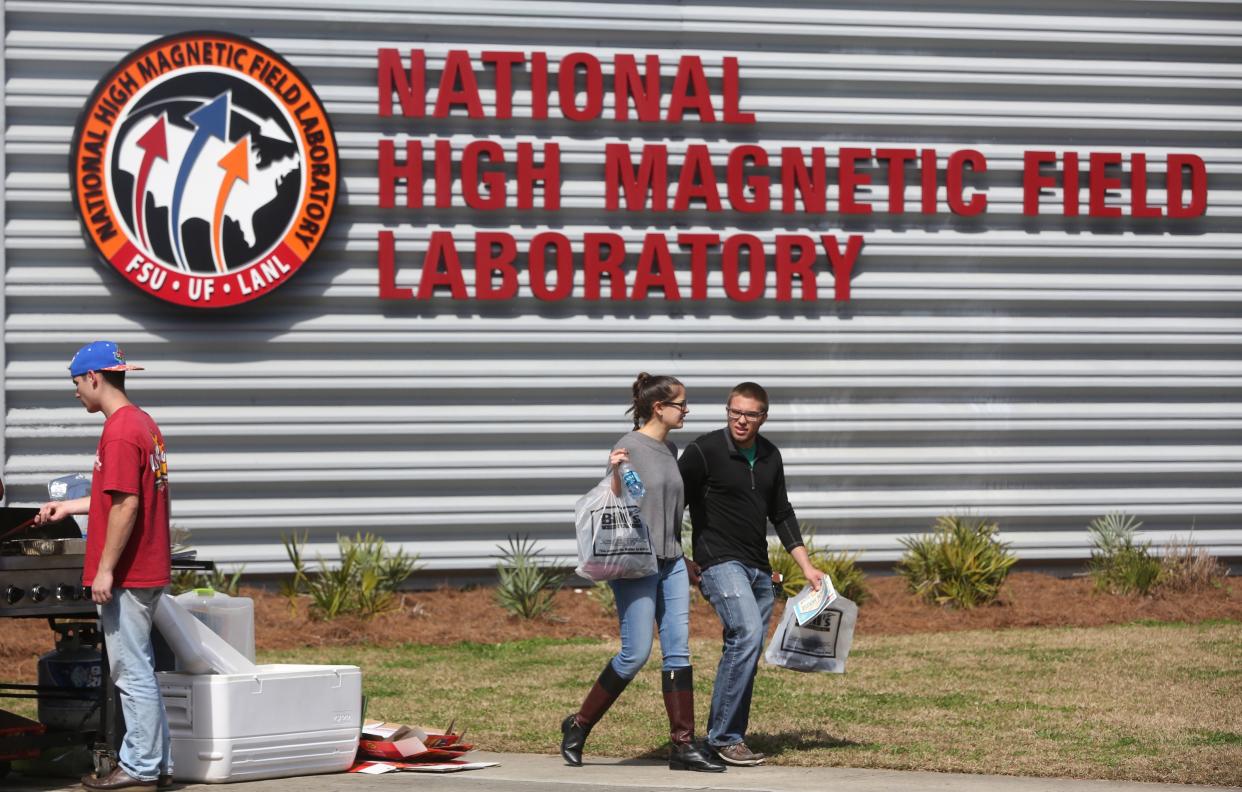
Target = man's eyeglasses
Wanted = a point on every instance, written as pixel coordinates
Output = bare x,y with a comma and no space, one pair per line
737,415
680,406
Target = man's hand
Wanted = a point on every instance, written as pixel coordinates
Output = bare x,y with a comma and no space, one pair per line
814,576
59,510
121,519
101,587
51,512
694,572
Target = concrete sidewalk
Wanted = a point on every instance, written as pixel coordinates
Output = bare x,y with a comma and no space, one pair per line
539,773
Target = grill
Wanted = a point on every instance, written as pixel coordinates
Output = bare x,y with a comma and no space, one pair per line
50,586
42,585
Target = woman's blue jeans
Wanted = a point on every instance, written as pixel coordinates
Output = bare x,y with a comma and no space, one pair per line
126,622
742,597
661,600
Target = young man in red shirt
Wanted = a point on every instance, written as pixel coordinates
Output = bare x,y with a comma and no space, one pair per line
127,564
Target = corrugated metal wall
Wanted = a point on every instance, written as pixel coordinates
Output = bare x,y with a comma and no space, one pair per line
1039,372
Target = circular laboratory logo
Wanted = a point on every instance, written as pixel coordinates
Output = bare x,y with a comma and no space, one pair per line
204,169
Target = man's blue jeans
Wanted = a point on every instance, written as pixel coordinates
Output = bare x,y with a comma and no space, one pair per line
742,597
662,600
126,622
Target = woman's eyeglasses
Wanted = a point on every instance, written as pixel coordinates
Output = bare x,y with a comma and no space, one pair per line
680,406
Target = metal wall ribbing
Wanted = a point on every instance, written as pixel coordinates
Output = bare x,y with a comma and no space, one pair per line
1037,371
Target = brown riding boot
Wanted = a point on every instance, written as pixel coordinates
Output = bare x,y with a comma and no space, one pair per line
678,687
576,727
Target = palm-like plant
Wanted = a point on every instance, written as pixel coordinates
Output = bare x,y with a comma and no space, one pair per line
961,563
527,585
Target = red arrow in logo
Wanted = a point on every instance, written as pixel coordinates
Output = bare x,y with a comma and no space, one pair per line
154,145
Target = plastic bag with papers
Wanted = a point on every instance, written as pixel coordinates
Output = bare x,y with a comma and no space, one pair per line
613,541
822,644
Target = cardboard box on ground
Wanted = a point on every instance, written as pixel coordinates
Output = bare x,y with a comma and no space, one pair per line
386,747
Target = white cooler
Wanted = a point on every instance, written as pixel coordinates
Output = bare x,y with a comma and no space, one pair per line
280,721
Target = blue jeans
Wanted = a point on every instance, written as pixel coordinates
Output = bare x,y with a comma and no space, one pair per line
662,600
742,597
126,622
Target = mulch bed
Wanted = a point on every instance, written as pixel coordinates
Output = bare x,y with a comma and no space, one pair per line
448,615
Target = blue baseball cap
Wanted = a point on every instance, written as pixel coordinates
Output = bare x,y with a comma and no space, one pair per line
100,356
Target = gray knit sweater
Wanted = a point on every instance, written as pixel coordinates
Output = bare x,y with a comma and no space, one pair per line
662,506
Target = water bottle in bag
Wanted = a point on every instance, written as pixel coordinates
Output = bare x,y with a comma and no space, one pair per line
632,482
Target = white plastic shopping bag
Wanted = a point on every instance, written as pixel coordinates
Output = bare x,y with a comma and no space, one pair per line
822,644
613,540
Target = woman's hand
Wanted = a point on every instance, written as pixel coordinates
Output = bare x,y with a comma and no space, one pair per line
693,572
614,461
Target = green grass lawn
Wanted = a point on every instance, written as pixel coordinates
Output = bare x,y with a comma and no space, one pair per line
1151,702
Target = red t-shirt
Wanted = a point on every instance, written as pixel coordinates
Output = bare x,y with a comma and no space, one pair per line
130,459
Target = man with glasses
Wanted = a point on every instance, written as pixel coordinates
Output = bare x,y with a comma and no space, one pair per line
735,485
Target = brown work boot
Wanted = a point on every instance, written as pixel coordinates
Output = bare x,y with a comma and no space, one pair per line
678,687
576,727
117,781
739,755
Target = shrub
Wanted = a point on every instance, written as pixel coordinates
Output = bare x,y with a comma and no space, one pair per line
602,595
527,586
841,566
1118,564
184,580
846,575
363,583
1186,567
189,579
960,563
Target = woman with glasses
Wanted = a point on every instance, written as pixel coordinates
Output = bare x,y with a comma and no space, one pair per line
661,600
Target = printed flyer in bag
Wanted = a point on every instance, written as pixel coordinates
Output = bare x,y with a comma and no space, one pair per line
810,606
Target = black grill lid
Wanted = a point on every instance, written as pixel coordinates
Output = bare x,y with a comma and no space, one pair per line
13,516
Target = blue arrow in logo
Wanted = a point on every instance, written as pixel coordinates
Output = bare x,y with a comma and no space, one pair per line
210,120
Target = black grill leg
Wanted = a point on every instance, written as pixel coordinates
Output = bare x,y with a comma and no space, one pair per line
111,720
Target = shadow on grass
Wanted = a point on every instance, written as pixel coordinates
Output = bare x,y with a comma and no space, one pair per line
770,744
789,741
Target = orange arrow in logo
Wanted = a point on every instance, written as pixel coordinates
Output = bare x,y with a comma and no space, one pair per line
236,166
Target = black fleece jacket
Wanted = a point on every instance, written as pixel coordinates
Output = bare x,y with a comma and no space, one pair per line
731,503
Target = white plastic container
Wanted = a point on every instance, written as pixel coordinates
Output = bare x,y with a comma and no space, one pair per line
231,618
281,721
197,648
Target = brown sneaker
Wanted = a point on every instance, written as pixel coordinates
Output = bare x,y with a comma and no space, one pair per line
117,781
738,755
